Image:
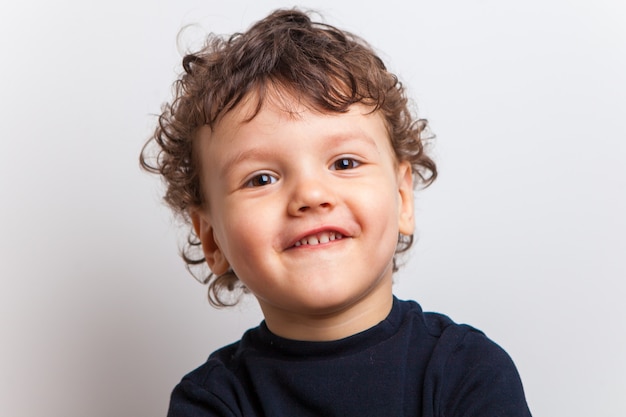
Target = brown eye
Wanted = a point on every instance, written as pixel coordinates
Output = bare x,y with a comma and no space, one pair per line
261,180
345,163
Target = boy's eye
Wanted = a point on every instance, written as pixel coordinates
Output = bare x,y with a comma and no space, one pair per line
345,163
261,180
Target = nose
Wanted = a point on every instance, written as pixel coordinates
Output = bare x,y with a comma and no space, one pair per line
310,195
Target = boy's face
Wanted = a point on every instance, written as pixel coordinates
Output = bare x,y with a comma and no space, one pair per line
305,207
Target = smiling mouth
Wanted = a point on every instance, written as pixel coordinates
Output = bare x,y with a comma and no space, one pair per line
318,239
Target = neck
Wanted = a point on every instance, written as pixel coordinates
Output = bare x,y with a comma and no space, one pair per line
331,325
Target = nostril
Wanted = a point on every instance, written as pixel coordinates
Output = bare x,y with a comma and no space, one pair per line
306,208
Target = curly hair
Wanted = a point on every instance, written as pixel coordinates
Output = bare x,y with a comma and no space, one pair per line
326,67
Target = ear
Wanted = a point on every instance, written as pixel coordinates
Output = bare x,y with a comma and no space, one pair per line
212,252
406,219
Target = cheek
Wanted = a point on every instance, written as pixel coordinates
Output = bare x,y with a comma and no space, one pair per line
242,231
380,210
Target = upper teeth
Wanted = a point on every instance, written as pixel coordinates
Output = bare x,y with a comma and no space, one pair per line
316,239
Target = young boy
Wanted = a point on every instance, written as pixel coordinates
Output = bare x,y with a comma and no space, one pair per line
291,151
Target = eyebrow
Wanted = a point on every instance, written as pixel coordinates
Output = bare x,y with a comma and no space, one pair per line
248,154
351,136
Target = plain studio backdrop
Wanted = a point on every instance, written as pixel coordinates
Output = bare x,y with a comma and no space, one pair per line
523,234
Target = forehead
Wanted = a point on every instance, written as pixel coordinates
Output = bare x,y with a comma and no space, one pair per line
280,108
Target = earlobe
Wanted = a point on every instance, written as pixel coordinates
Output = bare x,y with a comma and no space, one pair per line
213,254
406,219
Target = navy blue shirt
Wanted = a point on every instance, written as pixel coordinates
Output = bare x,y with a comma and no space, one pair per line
410,364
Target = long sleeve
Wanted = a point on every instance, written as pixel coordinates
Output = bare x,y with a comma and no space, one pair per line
475,378
210,391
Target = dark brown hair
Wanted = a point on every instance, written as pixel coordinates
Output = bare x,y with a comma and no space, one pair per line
327,68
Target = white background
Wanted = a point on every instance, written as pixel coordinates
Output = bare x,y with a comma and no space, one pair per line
523,235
